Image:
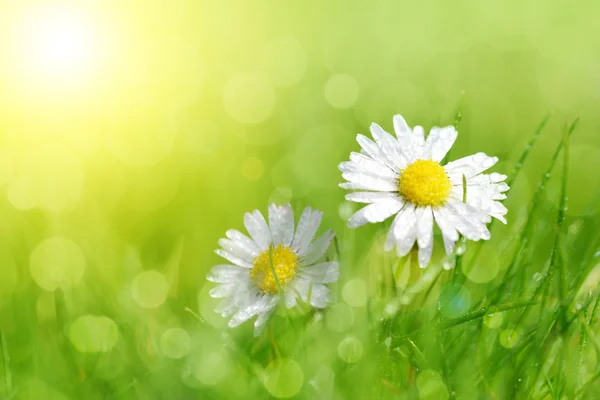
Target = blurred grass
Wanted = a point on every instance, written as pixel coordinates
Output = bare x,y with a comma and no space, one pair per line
195,112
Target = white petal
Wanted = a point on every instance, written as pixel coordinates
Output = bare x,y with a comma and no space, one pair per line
439,141
226,307
471,165
413,146
260,322
257,228
281,223
469,222
222,291
319,296
390,240
405,231
317,249
243,241
376,212
482,200
234,259
237,249
290,298
401,127
363,163
366,181
419,135
263,303
370,197
321,273
388,147
425,235
239,317
446,223
370,147
448,244
225,273
307,227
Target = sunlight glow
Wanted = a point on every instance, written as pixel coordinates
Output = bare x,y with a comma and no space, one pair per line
56,44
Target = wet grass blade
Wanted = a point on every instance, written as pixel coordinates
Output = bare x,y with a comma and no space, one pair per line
515,172
472,316
525,232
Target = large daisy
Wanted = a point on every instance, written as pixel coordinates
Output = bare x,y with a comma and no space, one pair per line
277,262
403,176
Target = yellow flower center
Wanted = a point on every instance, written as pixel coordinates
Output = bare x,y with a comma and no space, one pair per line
284,262
425,183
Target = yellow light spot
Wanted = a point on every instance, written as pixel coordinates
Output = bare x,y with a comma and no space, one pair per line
425,183
284,262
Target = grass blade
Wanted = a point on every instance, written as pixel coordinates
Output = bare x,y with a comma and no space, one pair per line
537,196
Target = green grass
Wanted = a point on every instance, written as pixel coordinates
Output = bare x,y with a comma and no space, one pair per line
393,330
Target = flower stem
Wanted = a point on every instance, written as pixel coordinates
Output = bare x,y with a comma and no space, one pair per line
6,360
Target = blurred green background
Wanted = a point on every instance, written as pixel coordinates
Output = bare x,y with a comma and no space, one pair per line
134,134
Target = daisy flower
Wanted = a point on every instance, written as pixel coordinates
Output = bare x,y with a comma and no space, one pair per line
403,176
277,262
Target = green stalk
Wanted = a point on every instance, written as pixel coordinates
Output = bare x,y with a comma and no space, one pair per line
516,170
6,359
537,196
440,326
273,270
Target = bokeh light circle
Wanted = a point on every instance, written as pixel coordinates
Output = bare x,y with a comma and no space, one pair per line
341,91
281,195
355,292
249,97
454,301
149,289
350,349
509,338
345,210
175,343
283,378
494,321
55,263
431,386
485,268
92,334
211,368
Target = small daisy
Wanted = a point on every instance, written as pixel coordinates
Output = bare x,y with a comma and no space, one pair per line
403,176
248,285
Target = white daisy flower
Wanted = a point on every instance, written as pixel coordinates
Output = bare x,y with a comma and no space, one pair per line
248,285
403,176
